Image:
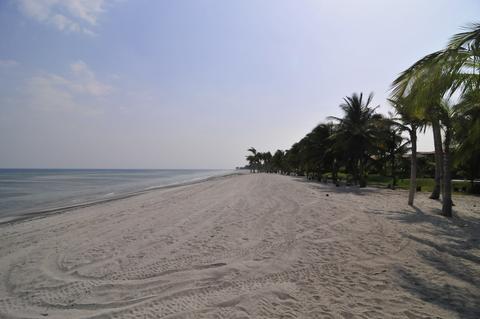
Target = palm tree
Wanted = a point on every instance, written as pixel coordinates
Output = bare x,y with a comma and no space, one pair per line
437,77
468,46
467,135
390,144
408,122
266,159
356,132
252,159
334,151
278,160
467,132
448,117
424,86
314,152
323,143
292,159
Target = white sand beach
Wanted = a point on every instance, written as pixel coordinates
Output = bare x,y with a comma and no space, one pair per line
246,246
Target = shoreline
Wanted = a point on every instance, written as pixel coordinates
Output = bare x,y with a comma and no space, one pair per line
25,216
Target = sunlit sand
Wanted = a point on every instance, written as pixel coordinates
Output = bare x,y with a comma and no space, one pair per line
247,246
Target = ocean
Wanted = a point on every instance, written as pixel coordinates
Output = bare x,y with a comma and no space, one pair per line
32,191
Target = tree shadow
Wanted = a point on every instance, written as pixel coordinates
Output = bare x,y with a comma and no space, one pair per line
458,249
466,273
332,188
456,226
455,282
448,272
448,296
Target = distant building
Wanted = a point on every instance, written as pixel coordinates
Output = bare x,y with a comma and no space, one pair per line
430,154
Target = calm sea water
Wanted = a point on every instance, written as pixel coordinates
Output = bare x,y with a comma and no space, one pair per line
34,190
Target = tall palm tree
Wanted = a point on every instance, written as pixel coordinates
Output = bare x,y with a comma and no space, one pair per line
356,131
436,77
448,117
409,122
467,46
424,85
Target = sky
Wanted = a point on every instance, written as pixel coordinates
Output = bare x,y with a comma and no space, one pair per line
195,83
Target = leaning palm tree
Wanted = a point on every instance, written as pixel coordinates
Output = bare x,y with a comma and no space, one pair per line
440,76
425,86
356,132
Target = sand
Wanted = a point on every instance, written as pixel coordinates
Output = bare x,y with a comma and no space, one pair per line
248,246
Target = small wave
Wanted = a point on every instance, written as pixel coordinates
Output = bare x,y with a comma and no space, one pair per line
153,187
58,194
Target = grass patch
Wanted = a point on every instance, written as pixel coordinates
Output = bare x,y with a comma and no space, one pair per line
426,184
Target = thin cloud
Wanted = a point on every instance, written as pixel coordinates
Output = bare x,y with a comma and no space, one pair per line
8,63
79,90
65,15
87,81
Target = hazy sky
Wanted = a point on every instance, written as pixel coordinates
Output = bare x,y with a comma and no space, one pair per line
193,84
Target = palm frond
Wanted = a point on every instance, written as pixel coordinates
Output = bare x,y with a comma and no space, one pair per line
471,36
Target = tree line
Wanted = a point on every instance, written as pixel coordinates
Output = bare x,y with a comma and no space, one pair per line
440,91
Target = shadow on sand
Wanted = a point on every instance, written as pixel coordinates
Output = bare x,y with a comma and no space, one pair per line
454,257
453,252
331,188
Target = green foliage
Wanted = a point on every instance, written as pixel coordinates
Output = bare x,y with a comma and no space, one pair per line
443,89
425,184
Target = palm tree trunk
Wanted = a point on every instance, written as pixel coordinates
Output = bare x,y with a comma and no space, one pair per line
437,141
362,181
334,173
413,165
384,163
392,164
392,161
447,178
